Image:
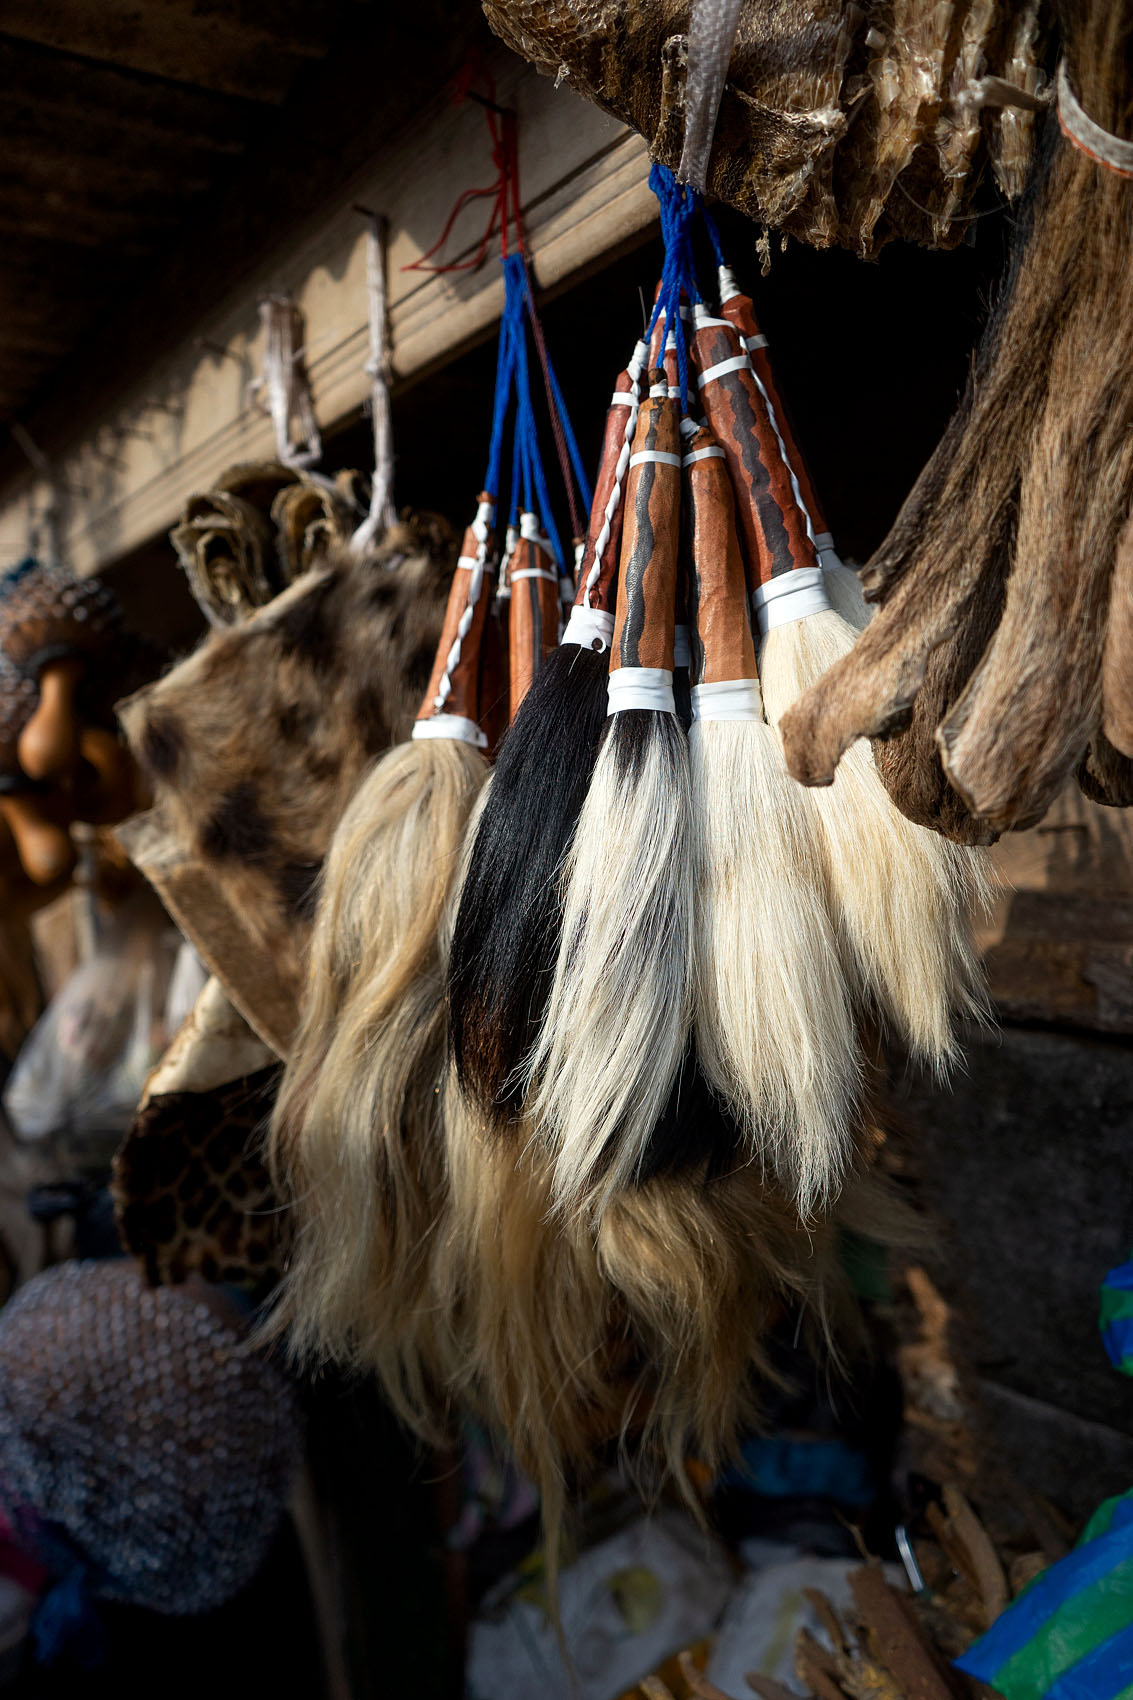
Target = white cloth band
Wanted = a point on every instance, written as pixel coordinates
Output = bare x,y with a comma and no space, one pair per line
1078,127
735,363
733,699
659,457
589,628
702,316
751,343
682,654
535,572
450,726
623,398
468,563
702,454
640,687
790,596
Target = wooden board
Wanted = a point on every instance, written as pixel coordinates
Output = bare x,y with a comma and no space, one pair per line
175,424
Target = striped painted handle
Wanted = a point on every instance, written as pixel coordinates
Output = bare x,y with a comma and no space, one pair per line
607,509
773,528
722,644
647,576
739,310
533,618
453,685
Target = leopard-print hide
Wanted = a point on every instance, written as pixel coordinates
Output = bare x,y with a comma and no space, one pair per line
191,1192
257,741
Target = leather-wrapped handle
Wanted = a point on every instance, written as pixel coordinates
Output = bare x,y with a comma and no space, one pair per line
533,619
604,535
471,594
721,640
647,574
739,310
771,523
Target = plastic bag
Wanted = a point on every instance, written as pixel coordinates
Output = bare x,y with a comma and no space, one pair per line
80,1073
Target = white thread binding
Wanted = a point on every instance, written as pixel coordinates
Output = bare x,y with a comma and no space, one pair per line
702,454
634,369
734,363
640,687
535,572
475,566
590,628
659,457
451,726
731,699
790,596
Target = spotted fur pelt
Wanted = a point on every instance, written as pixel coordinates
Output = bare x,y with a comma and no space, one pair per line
255,744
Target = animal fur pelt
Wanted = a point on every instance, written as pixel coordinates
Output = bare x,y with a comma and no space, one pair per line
509,923
255,744
837,123
1117,661
355,1139
1037,476
648,1333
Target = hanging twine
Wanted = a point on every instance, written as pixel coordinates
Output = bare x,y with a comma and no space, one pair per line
382,511
286,384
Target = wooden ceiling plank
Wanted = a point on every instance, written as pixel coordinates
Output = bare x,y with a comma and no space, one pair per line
77,168
62,88
166,41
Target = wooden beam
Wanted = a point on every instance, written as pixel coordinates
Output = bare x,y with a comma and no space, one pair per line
249,48
58,89
83,163
67,218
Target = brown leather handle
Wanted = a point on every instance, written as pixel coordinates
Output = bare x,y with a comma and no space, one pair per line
463,696
740,311
647,574
771,524
533,620
608,535
721,640
48,746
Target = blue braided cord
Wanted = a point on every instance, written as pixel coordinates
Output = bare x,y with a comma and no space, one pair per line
536,497
679,206
505,367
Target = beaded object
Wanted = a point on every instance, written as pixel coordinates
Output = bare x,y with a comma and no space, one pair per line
140,1436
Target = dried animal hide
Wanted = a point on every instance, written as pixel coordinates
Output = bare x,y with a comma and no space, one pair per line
1024,500
225,541
191,1190
1117,661
255,744
312,517
839,123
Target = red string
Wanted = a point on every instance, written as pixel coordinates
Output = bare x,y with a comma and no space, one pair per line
506,211
504,191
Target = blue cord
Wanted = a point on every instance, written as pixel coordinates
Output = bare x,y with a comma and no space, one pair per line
679,205
505,371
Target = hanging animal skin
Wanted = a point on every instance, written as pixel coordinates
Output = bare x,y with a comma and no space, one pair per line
1024,501
255,744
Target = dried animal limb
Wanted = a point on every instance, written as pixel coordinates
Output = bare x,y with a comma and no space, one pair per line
1117,659
984,1559
900,1641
